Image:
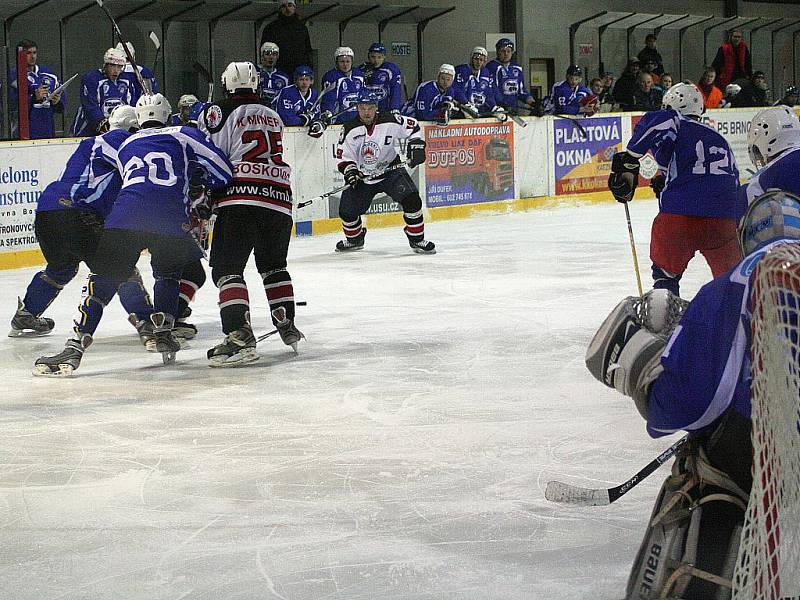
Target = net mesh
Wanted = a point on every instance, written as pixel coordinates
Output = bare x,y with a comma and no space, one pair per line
768,564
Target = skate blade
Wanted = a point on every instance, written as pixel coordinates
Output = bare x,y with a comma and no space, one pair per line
345,251
46,371
421,251
28,333
168,357
184,334
245,357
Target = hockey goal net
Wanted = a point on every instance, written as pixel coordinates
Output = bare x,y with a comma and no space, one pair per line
768,564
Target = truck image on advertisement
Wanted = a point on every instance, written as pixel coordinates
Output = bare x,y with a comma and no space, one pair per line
492,176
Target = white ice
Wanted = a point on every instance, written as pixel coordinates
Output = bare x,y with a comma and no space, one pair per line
403,453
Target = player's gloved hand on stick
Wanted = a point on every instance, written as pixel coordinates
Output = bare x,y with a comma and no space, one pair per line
305,119
448,106
500,113
415,151
658,183
624,176
352,176
316,129
326,117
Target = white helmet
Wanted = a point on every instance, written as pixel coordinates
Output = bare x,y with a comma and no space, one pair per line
153,108
448,69
343,51
732,89
240,76
114,57
772,215
123,117
187,100
269,46
685,98
131,49
480,50
772,131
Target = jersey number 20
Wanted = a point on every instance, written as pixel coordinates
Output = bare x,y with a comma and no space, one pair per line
155,167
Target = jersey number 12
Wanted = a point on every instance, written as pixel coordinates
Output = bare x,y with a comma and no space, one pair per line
719,166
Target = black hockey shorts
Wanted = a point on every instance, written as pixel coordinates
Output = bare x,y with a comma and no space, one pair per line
398,185
67,237
119,250
241,230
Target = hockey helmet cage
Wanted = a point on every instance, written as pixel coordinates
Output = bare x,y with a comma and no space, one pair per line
343,51
447,68
772,131
574,70
113,56
131,49
504,43
377,47
685,98
240,76
303,71
480,50
366,96
270,47
153,108
123,117
773,215
187,100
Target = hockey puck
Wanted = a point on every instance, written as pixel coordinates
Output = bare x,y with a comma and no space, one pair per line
301,303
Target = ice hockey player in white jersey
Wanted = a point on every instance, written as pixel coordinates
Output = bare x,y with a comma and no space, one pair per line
254,215
367,147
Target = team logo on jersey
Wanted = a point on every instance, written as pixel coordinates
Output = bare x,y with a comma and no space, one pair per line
213,116
478,98
510,87
380,93
369,153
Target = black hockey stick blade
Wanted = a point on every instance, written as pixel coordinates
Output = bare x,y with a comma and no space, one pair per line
564,493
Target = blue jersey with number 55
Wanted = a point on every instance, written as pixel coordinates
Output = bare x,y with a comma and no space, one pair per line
701,174
156,166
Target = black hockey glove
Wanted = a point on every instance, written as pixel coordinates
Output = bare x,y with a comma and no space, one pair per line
658,183
305,120
415,151
352,176
624,176
326,117
316,129
202,210
448,106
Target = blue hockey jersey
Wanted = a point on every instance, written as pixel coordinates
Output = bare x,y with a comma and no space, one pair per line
148,77
345,95
270,83
426,104
41,121
701,174
475,89
156,166
781,173
90,179
290,104
385,82
566,99
99,96
707,360
509,83
194,113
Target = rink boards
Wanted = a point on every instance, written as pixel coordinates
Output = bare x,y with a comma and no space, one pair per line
472,167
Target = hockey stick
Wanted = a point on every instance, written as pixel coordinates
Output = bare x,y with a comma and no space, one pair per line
373,177
59,88
565,493
633,250
203,72
145,89
575,120
157,43
328,88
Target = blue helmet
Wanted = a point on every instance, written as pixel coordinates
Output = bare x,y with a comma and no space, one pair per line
303,71
504,43
366,96
377,47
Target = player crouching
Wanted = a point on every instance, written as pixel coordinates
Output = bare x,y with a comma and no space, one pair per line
366,149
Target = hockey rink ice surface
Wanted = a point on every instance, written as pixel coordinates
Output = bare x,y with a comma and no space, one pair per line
403,454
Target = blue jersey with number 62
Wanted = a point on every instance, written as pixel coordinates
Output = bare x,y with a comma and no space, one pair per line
701,174
156,166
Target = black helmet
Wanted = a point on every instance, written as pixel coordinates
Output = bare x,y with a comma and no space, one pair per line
574,70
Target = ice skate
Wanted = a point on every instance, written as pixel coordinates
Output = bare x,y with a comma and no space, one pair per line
238,348
290,334
352,244
66,361
423,247
163,341
144,329
184,330
25,324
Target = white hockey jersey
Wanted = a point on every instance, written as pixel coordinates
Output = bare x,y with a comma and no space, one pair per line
374,148
251,134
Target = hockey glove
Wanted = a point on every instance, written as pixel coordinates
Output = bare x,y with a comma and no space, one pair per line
448,106
470,110
624,176
305,120
316,129
326,117
415,151
658,183
499,113
352,176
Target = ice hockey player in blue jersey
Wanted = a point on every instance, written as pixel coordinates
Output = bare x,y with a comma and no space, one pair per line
271,79
296,103
148,77
339,105
508,78
41,82
69,218
159,167
383,79
690,369
189,108
474,83
697,191
102,90
437,99
569,97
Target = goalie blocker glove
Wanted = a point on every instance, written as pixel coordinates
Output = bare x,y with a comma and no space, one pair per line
624,176
415,152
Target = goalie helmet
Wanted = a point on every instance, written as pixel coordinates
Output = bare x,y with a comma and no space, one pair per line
772,215
153,108
113,56
123,117
131,49
772,131
240,76
685,98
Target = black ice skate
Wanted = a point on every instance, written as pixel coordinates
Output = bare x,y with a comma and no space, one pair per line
239,348
163,340
66,361
423,247
25,324
184,330
144,329
352,244
290,334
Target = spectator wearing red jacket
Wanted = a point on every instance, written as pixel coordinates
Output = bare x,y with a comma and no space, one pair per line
733,60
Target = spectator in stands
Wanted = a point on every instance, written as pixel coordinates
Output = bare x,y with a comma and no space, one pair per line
608,82
507,78
647,96
790,97
627,85
41,109
568,96
754,92
271,79
666,81
712,95
731,91
733,60
650,67
383,78
604,100
291,35
650,53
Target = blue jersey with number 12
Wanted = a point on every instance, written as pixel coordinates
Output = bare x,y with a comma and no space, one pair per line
701,174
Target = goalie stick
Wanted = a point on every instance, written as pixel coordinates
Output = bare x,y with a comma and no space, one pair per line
372,177
145,89
203,72
565,493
